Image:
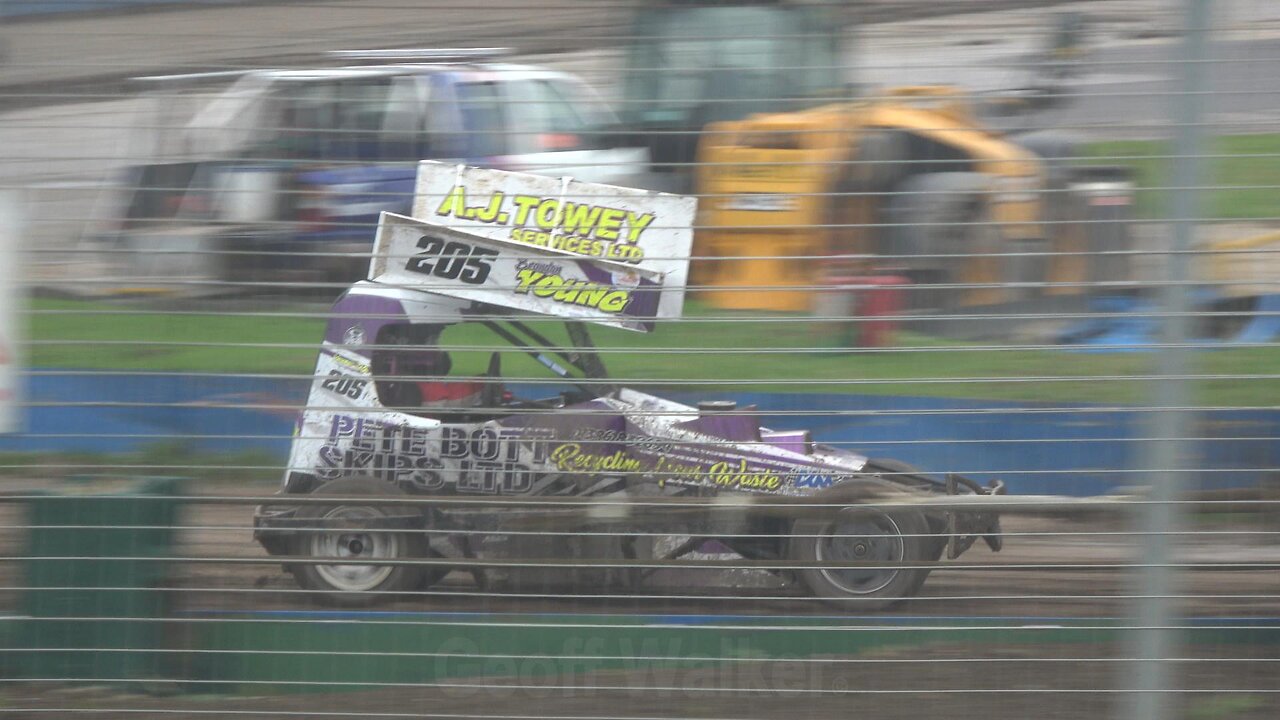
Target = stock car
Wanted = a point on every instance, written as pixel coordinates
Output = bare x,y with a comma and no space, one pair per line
398,458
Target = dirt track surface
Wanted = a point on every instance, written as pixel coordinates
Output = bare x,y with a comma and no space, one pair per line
993,588
232,572
998,680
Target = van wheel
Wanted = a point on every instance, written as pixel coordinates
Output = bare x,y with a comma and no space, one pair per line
351,583
856,535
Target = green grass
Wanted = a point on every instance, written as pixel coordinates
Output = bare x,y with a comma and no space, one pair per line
1242,170
741,352
89,470
1224,707
78,334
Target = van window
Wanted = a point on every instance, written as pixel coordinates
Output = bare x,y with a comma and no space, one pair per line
307,116
331,119
404,128
483,118
558,115
362,109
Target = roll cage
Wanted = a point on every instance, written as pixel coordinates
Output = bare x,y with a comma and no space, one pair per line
577,363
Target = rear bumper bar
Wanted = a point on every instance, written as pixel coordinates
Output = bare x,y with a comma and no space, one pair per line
964,528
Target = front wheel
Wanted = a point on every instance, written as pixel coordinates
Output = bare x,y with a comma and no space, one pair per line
856,535
363,535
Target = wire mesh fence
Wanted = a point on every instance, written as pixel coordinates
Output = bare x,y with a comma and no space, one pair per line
640,360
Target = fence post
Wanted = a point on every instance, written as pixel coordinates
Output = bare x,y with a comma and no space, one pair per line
1168,464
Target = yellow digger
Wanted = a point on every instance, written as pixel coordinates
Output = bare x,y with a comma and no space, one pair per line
814,186
907,184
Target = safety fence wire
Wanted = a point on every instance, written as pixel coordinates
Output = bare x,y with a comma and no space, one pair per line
638,359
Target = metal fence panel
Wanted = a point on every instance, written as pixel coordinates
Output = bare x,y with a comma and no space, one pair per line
961,402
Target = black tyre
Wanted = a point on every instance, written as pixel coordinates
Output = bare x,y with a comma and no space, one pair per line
854,535
879,161
934,545
1057,149
932,218
356,584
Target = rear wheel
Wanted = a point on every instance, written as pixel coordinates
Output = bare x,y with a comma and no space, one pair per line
859,535
363,535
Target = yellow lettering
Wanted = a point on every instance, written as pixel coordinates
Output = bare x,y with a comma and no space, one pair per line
568,293
615,301
570,457
580,218
610,223
572,292
636,223
490,214
525,278
722,473
630,253
454,203
591,297
547,214
524,203
547,286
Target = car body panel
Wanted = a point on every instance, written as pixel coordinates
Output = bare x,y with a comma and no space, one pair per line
623,437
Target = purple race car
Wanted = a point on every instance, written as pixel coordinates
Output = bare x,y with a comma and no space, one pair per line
618,481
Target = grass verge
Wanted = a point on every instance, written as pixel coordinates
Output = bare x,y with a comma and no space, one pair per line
239,469
712,350
1242,174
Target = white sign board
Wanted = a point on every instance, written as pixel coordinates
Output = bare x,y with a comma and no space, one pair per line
10,301
648,230
425,256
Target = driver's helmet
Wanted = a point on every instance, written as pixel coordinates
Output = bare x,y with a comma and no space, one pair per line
445,393
415,375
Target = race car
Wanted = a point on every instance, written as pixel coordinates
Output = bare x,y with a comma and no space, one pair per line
402,469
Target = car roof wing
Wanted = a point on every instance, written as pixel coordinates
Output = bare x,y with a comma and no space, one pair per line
554,246
433,258
641,228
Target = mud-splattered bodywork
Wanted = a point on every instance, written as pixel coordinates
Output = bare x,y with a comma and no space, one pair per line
620,443
592,471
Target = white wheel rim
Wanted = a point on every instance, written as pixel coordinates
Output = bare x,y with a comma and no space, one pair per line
860,537
355,545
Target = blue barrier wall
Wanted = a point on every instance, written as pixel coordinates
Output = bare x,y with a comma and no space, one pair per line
1079,450
96,412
